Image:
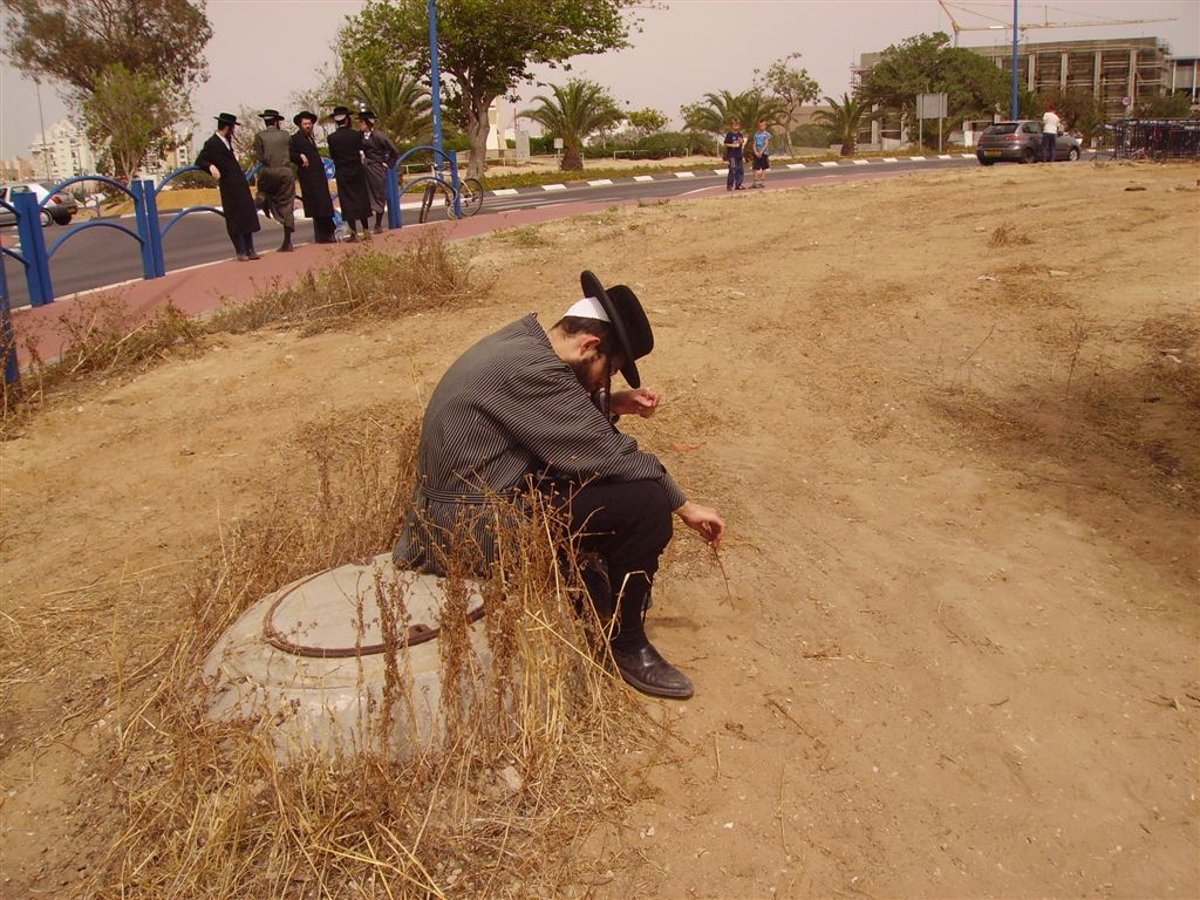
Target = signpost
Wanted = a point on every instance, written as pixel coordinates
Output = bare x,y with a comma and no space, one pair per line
931,106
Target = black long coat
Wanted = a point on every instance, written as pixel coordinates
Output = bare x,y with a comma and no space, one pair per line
345,149
241,216
314,187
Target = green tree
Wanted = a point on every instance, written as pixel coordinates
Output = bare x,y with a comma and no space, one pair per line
927,64
129,114
794,87
578,109
74,41
486,46
401,102
647,121
714,113
845,120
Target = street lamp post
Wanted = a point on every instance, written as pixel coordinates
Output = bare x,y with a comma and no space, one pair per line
1015,98
435,79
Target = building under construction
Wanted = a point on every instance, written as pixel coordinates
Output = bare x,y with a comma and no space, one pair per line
1118,72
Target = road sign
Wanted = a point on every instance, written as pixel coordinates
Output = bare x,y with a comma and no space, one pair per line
1125,101
931,106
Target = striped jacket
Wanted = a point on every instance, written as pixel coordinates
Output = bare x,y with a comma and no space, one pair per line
506,410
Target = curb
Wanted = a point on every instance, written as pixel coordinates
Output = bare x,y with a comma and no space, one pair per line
706,173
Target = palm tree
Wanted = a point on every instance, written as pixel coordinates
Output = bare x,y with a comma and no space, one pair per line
577,109
716,111
844,120
401,103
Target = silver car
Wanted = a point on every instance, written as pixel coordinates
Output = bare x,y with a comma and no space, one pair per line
59,211
1021,141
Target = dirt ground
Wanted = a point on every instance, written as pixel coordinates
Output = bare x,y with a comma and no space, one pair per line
960,466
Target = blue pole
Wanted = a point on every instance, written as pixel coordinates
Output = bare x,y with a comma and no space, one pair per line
8,341
1016,105
33,248
138,189
435,78
392,183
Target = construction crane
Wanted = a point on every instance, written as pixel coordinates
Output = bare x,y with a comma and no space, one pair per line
999,23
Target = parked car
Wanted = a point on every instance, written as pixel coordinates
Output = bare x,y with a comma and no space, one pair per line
60,210
1021,141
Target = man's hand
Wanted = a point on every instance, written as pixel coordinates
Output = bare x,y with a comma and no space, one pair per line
642,402
304,160
214,171
704,520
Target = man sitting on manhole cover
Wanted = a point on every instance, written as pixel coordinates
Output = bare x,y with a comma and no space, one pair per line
533,405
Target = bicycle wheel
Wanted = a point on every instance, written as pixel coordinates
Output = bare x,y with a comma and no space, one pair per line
427,201
470,195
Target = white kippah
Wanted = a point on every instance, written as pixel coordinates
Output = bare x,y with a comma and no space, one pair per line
588,308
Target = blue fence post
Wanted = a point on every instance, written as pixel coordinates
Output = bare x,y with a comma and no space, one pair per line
453,154
33,248
392,183
154,228
8,340
138,189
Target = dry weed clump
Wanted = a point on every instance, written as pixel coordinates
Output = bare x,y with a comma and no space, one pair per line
526,764
101,337
368,284
1006,234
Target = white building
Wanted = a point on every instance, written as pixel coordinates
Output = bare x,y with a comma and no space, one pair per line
61,152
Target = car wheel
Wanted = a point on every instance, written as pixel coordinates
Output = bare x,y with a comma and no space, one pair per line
1074,154
47,219
1027,156
985,162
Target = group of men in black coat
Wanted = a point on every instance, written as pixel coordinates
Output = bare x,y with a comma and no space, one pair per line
361,159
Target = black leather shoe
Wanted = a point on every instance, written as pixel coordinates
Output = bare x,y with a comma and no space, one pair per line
644,669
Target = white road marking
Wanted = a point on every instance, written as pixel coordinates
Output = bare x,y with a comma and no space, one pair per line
505,192
601,182
554,187
643,177
829,165
861,162
685,174
797,166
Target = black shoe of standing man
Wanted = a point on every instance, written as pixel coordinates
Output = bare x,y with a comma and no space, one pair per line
643,667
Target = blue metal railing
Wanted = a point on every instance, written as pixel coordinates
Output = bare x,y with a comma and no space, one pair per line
149,233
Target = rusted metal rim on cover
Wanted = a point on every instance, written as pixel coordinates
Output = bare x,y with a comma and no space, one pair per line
416,634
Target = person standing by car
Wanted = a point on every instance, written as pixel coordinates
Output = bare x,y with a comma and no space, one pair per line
346,151
380,154
734,142
310,172
1051,125
276,183
762,151
241,215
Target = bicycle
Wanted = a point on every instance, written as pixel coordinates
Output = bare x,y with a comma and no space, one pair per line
470,197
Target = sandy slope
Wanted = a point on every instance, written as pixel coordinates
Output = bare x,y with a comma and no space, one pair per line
962,486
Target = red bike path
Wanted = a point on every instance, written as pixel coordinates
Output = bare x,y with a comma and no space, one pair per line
201,289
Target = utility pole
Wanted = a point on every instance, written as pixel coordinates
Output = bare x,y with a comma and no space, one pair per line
435,79
42,122
1016,107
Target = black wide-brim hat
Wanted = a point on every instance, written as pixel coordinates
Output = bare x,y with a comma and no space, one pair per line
271,115
227,119
340,114
628,319
365,115
305,114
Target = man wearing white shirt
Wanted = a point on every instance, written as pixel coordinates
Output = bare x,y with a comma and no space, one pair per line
1051,125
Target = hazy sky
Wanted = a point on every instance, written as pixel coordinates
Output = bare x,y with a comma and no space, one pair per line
263,50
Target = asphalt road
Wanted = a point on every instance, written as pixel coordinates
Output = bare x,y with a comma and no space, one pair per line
102,257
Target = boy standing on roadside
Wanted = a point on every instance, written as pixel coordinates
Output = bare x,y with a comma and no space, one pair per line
762,162
734,141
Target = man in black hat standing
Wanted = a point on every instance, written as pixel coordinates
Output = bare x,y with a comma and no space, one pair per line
241,215
276,183
380,154
346,151
531,408
310,172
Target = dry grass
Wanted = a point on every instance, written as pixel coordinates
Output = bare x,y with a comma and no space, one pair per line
101,337
525,767
1006,234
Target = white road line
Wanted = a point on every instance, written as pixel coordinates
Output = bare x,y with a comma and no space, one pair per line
945,156
890,159
554,187
601,182
685,174
916,159
861,162
720,171
643,177
505,192
797,166
829,165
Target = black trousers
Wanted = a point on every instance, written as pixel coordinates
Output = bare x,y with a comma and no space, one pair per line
243,243
323,229
627,525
